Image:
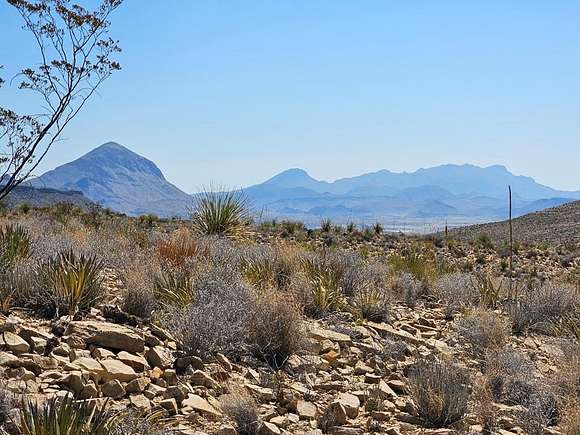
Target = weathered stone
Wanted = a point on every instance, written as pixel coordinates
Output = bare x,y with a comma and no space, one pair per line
175,392
227,430
263,394
6,357
201,378
153,390
397,386
159,357
306,410
113,389
269,429
15,343
170,405
326,334
137,385
136,361
118,370
335,414
140,402
89,391
170,377
109,335
351,404
199,404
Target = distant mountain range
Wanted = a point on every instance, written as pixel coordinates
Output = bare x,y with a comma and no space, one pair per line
120,179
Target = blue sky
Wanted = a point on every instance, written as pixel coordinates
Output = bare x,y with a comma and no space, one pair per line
232,92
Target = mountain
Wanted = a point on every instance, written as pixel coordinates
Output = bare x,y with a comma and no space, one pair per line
555,225
115,177
45,197
459,194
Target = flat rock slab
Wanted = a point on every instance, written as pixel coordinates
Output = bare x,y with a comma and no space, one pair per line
108,335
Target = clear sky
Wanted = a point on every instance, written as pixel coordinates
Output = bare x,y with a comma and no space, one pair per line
232,92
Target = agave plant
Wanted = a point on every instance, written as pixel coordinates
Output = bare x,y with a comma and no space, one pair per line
15,245
63,417
73,282
173,288
221,213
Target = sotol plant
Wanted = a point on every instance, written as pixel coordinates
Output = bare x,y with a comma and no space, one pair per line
71,283
221,213
15,245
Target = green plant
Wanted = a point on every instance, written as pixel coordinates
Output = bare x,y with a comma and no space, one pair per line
489,289
350,227
173,288
70,283
15,245
421,267
484,241
221,213
325,280
484,331
326,225
378,228
439,391
63,416
24,208
371,303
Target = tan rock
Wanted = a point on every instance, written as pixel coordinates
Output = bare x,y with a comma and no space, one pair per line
199,404
138,363
140,402
158,356
137,385
118,370
108,335
15,343
306,410
269,429
351,404
321,334
113,389
170,405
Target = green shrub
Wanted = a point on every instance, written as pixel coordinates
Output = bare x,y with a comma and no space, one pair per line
378,228
15,245
67,284
221,213
63,416
326,225
173,288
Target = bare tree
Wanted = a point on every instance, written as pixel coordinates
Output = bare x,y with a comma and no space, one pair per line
75,58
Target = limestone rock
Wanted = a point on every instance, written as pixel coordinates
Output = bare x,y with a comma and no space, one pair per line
113,389
118,370
108,335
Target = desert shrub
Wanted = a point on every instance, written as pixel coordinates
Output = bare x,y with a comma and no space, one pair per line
243,410
350,227
378,228
135,422
408,288
66,284
268,267
15,245
394,350
540,307
570,423
371,303
326,225
421,266
275,328
63,416
489,289
484,241
458,292
7,404
179,248
289,228
483,330
217,318
440,392
139,293
221,213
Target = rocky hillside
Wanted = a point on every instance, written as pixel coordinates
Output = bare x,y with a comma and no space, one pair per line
117,178
556,225
45,197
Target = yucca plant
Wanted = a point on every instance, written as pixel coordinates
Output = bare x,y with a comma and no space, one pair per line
326,225
173,288
326,293
371,303
73,282
15,245
350,227
378,228
489,289
221,213
63,417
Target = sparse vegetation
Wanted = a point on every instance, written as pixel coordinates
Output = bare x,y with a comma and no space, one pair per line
243,410
484,331
440,392
221,213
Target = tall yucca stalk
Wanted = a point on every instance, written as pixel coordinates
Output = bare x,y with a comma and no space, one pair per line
75,280
222,213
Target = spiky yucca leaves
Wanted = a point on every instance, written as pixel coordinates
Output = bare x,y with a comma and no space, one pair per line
326,290
266,267
15,245
63,417
221,213
371,303
173,288
326,225
378,228
489,289
71,283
